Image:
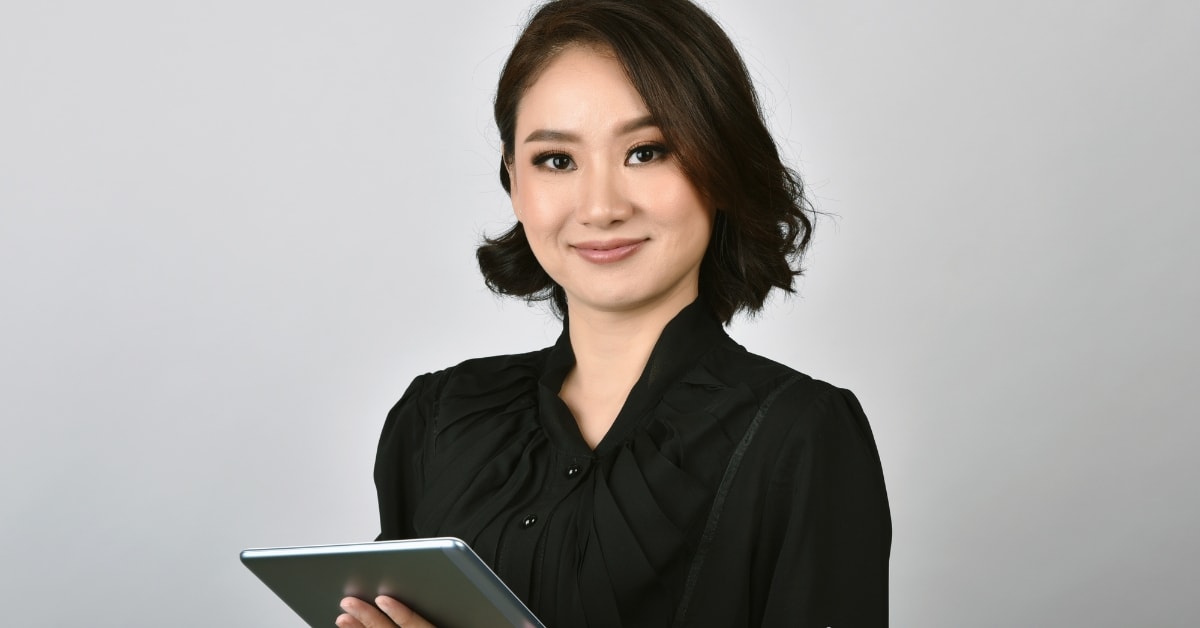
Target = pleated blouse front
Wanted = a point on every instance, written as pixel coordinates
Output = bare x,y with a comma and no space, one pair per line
486,451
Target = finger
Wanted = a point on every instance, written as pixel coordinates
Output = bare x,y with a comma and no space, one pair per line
347,621
366,615
401,614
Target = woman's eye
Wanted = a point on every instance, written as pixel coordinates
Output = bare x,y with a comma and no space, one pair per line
645,154
555,161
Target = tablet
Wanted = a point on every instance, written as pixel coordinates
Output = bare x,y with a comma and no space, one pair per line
442,579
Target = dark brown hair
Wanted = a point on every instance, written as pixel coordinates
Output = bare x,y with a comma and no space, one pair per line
701,97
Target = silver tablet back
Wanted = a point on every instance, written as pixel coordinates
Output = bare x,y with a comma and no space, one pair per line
440,578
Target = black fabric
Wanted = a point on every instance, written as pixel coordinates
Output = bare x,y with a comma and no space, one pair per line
487,452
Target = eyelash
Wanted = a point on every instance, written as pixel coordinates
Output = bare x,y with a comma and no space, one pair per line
541,159
651,146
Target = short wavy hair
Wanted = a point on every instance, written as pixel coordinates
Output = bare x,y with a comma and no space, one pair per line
701,97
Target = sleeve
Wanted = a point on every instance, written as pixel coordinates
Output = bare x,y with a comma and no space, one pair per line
828,520
399,460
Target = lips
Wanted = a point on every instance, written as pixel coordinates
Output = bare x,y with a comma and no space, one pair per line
608,251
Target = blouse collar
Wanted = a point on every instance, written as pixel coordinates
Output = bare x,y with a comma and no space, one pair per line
693,332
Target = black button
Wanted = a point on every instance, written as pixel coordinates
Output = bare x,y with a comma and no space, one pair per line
573,470
528,521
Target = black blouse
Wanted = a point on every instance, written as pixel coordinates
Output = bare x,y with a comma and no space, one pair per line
730,490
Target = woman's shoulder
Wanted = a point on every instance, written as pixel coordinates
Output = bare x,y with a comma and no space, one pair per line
788,398
471,387
477,375
733,365
803,425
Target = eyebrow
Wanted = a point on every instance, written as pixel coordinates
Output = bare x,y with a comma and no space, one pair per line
552,135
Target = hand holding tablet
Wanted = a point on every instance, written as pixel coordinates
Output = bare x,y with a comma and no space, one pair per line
386,612
441,579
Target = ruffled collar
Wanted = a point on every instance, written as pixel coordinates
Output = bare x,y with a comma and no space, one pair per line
693,332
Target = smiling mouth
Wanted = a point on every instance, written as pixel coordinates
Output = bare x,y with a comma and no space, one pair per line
608,251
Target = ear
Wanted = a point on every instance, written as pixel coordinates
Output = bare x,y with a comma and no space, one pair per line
512,172
512,184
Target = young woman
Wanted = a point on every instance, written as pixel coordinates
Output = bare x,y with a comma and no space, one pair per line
645,470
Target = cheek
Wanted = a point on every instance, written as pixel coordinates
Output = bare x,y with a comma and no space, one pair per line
536,214
685,211
531,211
540,207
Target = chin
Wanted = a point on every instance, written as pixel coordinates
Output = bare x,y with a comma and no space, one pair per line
626,301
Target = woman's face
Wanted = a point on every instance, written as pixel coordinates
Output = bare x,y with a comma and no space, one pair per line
606,207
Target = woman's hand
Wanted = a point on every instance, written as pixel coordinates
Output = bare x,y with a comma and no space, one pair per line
359,614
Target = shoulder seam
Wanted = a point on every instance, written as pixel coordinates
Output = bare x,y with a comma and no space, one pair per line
714,515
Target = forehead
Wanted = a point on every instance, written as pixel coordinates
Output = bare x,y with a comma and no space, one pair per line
582,85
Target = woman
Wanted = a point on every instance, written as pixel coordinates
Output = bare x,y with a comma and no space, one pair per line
645,470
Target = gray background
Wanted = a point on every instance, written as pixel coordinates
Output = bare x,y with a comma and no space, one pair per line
232,232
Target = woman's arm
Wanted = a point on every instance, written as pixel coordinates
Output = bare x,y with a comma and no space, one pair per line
834,527
398,470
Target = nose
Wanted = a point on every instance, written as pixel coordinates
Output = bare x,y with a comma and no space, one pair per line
603,201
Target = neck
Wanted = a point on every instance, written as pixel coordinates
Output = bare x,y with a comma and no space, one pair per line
611,350
609,346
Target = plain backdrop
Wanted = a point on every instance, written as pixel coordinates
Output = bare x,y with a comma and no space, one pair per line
232,232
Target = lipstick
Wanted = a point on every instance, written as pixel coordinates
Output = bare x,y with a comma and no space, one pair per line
608,251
